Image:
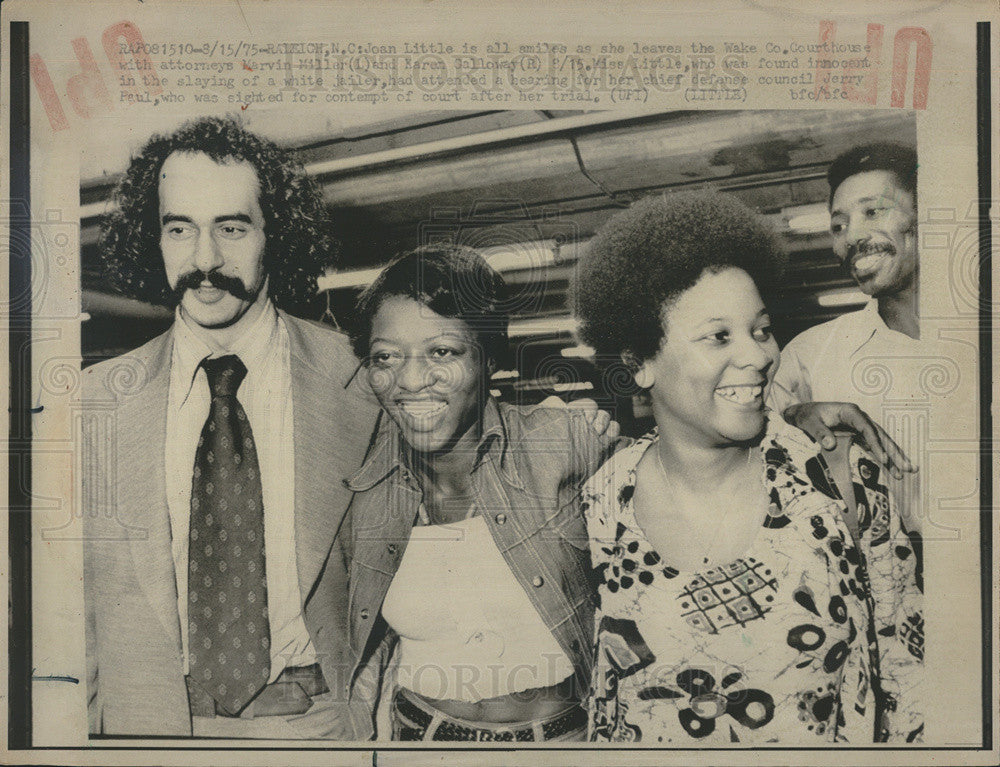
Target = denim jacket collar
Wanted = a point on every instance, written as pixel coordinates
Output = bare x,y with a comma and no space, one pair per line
386,454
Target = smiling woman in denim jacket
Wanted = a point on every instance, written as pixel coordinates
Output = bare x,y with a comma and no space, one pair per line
467,543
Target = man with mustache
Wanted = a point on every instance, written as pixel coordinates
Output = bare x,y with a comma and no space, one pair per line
215,582
213,456
871,356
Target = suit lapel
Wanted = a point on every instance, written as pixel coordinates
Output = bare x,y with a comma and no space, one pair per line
313,482
332,427
141,486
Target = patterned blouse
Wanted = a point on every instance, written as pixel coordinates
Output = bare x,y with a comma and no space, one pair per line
803,639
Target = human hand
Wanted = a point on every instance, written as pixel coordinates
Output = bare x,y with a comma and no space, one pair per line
326,719
819,419
600,420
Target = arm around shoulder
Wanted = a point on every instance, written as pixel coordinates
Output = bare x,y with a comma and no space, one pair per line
894,557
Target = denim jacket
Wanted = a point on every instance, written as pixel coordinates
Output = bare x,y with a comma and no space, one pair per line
529,465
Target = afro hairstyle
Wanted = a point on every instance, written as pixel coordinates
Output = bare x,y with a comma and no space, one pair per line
645,257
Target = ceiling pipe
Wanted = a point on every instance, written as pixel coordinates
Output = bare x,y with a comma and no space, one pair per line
430,149
688,137
97,303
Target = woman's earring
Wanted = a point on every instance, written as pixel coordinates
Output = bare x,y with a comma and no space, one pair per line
644,378
641,374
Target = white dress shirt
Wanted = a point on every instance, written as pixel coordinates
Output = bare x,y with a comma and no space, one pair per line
858,358
266,397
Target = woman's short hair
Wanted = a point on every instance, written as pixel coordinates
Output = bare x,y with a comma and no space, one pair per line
646,256
450,280
299,245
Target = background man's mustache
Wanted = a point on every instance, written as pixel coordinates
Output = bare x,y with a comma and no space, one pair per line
193,280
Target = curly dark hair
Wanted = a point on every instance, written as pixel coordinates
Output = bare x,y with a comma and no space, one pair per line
300,244
451,280
646,256
898,159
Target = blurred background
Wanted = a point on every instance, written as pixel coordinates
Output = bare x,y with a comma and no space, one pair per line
528,189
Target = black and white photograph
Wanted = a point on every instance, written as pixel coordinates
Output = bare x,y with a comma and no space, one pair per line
385,422
457,361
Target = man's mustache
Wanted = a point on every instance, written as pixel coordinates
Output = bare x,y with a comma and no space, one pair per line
194,279
866,247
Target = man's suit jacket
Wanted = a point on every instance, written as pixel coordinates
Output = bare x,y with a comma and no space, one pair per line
135,667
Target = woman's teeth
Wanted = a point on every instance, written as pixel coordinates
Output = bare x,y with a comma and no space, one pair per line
741,395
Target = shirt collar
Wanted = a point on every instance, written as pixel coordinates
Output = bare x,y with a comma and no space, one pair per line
869,323
871,316
386,454
252,347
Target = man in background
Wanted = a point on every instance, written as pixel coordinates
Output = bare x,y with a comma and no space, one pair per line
871,357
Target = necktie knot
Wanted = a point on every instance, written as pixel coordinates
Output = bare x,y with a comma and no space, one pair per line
225,374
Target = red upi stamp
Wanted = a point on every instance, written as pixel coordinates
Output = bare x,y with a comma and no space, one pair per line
87,92
863,87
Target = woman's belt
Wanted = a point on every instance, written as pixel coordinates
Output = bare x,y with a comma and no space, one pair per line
418,721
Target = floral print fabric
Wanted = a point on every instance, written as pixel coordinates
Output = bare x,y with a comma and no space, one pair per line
808,637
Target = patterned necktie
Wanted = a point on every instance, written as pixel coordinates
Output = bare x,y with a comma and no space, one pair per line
228,635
